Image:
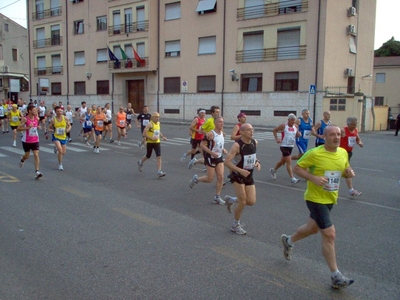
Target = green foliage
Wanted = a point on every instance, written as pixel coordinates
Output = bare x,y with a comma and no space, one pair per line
390,48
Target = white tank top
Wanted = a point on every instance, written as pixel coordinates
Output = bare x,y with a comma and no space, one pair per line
289,136
218,143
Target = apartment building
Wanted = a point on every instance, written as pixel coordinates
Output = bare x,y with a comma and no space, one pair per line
14,60
263,57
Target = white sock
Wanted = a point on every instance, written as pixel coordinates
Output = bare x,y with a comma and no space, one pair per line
334,273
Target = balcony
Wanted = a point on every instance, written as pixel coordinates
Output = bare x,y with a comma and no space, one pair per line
43,14
271,54
272,9
129,64
339,91
128,28
56,70
55,41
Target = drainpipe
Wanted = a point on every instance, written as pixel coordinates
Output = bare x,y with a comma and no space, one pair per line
66,47
29,49
223,60
158,56
373,113
316,60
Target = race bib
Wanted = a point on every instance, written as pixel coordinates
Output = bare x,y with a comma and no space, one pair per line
128,117
306,134
33,131
352,141
100,124
88,123
290,141
122,123
249,161
60,130
333,178
157,134
14,118
145,122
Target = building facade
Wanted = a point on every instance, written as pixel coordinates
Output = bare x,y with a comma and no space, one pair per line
263,57
14,60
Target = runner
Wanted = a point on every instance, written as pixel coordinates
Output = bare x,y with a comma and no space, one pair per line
143,119
108,123
213,148
59,125
235,135
2,116
42,117
15,118
120,121
30,139
70,114
195,134
129,113
98,121
152,132
6,122
289,132
87,125
81,112
319,128
306,129
242,161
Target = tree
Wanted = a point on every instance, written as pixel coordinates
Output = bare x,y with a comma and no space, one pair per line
390,48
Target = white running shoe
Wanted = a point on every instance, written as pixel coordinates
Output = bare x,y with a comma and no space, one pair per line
160,173
193,181
60,167
191,163
273,173
21,163
14,144
294,180
183,158
140,166
38,175
238,229
218,200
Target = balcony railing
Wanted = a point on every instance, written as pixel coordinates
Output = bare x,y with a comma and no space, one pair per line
47,13
128,64
339,91
56,70
128,28
55,41
272,9
268,54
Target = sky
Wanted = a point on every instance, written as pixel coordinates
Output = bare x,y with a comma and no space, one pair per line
387,18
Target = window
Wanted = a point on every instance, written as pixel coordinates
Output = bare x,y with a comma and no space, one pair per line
79,88
101,55
6,27
172,85
55,35
56,64
56,88
1,82
117,52
253,44
128,20
253,9
76,1
55,9
251,83
39,5
206,6
338,104
289,6
15,54
41,65
379,101
351,82
1,51
103,87
117,21
205,84
287,81
78,27
172,11
79,58
289,43
101,23
140,18
173,48
207,45
380,77
40,38
352,44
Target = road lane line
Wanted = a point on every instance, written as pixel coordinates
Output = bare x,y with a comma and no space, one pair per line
138,217
75,192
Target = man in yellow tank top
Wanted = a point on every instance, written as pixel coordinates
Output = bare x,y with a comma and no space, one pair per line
59,125
15,118
153,134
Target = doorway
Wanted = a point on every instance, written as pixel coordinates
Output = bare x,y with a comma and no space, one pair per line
136,94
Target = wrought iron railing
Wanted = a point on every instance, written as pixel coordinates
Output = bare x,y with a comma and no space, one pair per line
268,54
130,63
56,70
47,13
54,41
339,91
128,28
272,9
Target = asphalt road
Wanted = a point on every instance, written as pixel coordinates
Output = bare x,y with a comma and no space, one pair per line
100,229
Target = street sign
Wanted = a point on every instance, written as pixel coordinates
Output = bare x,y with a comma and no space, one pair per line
184,87
312,89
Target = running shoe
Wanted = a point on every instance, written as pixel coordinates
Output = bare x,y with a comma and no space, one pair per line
69,140
294,180
339,281
273,173
287,249
139,145
238,229
46,135
88,144
140,166
119,143
229,203
191,163
55,150
218,200
38,175
183,158
111,141
354,193
21,163
97,150
60,167
193,181
14,144
160,173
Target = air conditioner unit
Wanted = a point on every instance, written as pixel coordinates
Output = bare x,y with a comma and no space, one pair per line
349,72
5,69
351,29
351,12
